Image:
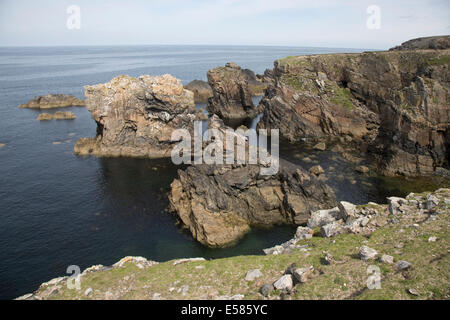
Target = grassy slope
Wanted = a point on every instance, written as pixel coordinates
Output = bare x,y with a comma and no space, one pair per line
345,279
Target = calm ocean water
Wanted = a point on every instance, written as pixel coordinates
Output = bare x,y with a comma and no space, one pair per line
57,209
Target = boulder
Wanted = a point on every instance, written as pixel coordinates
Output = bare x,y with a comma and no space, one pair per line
51,101
366,253
323,217
403,265
362,169
285,283
45,117
136,116
252,275
59,115
348,210
232,98
266,289
304,233
331,229
302,274
387,259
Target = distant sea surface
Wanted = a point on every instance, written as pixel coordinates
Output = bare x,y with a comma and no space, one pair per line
57,209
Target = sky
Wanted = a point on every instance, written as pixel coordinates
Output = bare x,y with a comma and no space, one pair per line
312,23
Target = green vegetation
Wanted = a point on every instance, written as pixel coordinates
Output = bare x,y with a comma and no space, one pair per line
346,278
342,97
439,61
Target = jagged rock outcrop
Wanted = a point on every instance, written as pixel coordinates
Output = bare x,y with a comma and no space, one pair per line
201,89
232,92
434,43
220,203
51,101
393,104
136,116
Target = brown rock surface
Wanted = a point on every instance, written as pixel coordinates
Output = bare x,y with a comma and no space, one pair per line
220,203
51,101
394,103
136,116
201,89
232,93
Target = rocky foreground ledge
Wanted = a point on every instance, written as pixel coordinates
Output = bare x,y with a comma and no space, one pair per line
51,101
406,241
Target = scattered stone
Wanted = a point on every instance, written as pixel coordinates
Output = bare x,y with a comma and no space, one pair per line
302,274
432,202
331,229
144,263
304,233
403,265
387,259
324,217
285,283
156,296
366,253
328,259
395,203
252,275
362,169
180,261
348,210
432,239
413,292
88,292
316,170
320,146
266,289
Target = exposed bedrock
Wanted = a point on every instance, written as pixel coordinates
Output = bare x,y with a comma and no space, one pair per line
233,89
434,43
393,104
136,116
220,203
51,101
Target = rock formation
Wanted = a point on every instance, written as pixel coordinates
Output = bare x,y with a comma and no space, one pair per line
201,89
392,104
136,116
51,101
232,97
59,115
220,203
435,43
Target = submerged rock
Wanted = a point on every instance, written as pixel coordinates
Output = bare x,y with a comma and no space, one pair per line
136,116
232,98
51,101
59,115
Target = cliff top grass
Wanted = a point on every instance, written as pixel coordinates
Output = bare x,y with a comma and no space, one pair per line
344,279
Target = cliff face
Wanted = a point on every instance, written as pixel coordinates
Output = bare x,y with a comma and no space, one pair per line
395,104
220,203
435,43
136,117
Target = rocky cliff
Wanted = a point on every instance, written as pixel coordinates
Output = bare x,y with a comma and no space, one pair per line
393,104
136,116
233,89
220,203
434,43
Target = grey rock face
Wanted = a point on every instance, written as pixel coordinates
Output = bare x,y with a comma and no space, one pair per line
285,283
366,253
252,275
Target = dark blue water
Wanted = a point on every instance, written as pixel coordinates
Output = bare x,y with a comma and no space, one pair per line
57,209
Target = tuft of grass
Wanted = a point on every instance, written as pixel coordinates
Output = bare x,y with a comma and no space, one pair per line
342,97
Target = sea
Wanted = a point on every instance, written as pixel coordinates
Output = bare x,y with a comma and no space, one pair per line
58,209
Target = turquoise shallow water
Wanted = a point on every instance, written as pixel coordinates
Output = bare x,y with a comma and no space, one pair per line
57,209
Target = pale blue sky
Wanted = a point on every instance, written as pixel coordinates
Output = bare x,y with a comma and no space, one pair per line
321,23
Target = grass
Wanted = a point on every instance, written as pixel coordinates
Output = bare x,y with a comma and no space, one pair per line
345,279
342,97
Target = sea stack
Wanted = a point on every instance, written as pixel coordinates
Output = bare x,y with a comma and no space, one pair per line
136,116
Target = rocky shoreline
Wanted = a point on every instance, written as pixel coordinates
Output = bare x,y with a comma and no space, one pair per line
399,237
52,101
